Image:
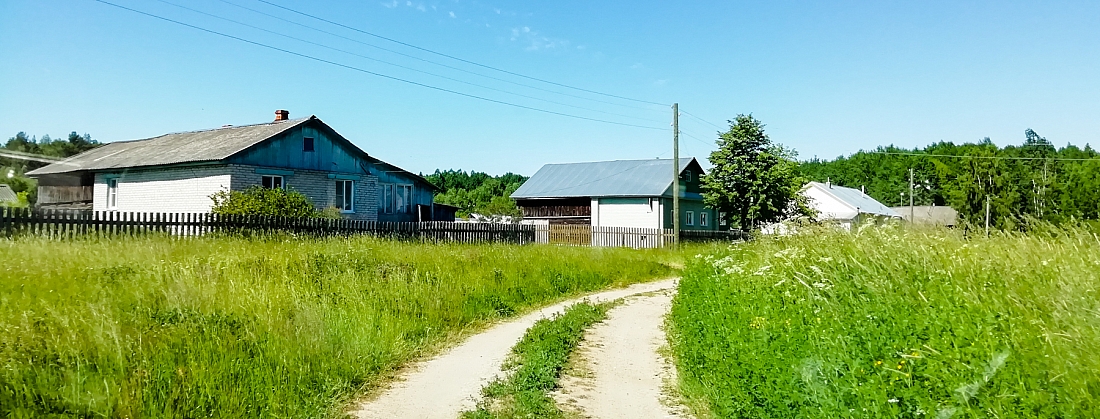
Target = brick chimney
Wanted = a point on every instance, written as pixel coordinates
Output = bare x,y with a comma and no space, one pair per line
282,115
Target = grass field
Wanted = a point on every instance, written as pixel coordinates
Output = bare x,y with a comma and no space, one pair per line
153,327
893,323
536,366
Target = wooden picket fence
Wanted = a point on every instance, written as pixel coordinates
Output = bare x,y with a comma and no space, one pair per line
61,224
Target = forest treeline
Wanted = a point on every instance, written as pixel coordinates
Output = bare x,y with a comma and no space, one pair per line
13,170
476,192
1032,180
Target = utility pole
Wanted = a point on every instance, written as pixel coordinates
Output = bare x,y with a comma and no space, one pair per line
676,174
987,216
912,209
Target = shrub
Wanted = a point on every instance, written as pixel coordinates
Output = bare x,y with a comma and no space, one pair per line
264,201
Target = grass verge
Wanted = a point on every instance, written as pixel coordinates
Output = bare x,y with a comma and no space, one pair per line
274,327
536,365
894,323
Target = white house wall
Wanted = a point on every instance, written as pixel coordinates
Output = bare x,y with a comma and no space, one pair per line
827,206
626,212
164,190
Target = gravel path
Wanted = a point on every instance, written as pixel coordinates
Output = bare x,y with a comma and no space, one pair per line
445,386
618,369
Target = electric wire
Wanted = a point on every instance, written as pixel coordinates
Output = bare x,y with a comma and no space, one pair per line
322,60
965,156
397,65
700,119
455,58
260,12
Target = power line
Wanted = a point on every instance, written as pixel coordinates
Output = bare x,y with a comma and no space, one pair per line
456,58
697,139
374,73
990,157
260,12
395,65
701,119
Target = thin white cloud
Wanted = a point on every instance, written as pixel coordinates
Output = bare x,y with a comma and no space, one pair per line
390,5
452,15
637,66
420,7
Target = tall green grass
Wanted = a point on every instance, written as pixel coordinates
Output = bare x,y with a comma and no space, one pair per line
155,327
894,323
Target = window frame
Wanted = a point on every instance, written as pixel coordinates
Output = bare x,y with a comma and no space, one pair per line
345,194
407,194
702,219
386,196
112,193
282,181
690,218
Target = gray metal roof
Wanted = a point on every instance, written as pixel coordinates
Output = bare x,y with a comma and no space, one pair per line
182,147
936,215
7,195
857,199
602,179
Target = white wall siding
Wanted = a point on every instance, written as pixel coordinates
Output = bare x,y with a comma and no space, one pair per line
163,190
626,212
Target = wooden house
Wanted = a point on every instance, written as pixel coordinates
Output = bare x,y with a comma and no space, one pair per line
179,172
620,193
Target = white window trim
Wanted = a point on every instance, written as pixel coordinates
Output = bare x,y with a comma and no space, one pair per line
408,199
350,200
702,218
282,180
690,218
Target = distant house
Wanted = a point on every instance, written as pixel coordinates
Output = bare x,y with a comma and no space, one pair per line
845,206
929,215
620,193
7,196
179,172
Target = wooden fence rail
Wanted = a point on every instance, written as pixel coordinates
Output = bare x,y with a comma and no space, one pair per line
64,224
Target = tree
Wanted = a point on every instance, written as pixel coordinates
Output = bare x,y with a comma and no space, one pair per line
263,201
477,192
753,181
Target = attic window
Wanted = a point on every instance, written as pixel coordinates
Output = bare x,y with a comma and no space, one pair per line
687,176
307,144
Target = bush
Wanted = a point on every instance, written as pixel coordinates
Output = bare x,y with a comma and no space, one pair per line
263,201
890,323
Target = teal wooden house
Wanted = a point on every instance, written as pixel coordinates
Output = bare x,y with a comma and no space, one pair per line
179,172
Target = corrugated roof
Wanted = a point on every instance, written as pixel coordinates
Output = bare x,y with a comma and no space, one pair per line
181,147
857,199
602,179
7,195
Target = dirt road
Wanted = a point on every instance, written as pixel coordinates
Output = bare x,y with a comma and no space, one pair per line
446,385
620,373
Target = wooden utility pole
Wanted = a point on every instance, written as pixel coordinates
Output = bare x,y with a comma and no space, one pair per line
676,174
912,209
987,216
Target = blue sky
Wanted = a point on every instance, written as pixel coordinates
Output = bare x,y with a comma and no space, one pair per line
828,78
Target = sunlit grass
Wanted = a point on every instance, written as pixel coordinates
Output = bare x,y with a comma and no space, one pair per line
156,327
887,322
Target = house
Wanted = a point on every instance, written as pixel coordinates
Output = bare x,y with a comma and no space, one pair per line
179,172
620,193
929,215
8,196
845,206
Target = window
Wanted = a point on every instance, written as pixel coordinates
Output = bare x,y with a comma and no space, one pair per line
404,199
722,218
307,144
112,193
702,219
387,198
690,218
687,176
272,182
345,195
396,199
